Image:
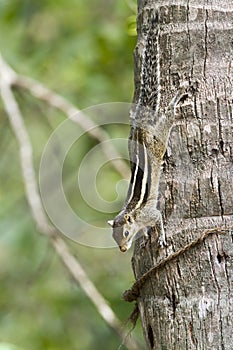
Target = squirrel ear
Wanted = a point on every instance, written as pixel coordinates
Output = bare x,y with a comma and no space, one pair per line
128,218
110,222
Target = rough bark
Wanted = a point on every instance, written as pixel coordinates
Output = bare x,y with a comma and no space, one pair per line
188,303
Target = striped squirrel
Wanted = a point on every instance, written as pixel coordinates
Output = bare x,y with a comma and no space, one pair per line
147,146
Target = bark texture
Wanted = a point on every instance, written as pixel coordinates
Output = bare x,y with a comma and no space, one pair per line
188,303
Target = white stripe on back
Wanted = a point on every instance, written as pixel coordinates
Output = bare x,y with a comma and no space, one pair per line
134,179
144,179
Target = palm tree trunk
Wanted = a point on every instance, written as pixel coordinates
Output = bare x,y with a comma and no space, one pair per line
187,303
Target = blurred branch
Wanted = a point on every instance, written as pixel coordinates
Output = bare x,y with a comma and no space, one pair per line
132,5
53,99
35,204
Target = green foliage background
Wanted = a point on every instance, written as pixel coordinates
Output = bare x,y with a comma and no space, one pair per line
82,50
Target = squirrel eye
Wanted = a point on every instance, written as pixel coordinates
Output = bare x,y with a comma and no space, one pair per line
126,233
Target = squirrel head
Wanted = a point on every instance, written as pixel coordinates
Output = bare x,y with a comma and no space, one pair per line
124,230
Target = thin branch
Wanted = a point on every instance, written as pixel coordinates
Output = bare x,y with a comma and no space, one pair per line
53,99
25,150
35,204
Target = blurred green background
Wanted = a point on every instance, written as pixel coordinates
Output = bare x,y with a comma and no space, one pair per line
83,51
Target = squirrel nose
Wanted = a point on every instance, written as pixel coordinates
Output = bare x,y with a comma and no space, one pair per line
123,248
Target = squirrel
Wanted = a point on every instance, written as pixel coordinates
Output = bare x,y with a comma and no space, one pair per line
147,146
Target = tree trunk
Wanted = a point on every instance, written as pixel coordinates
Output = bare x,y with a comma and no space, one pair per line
188,302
